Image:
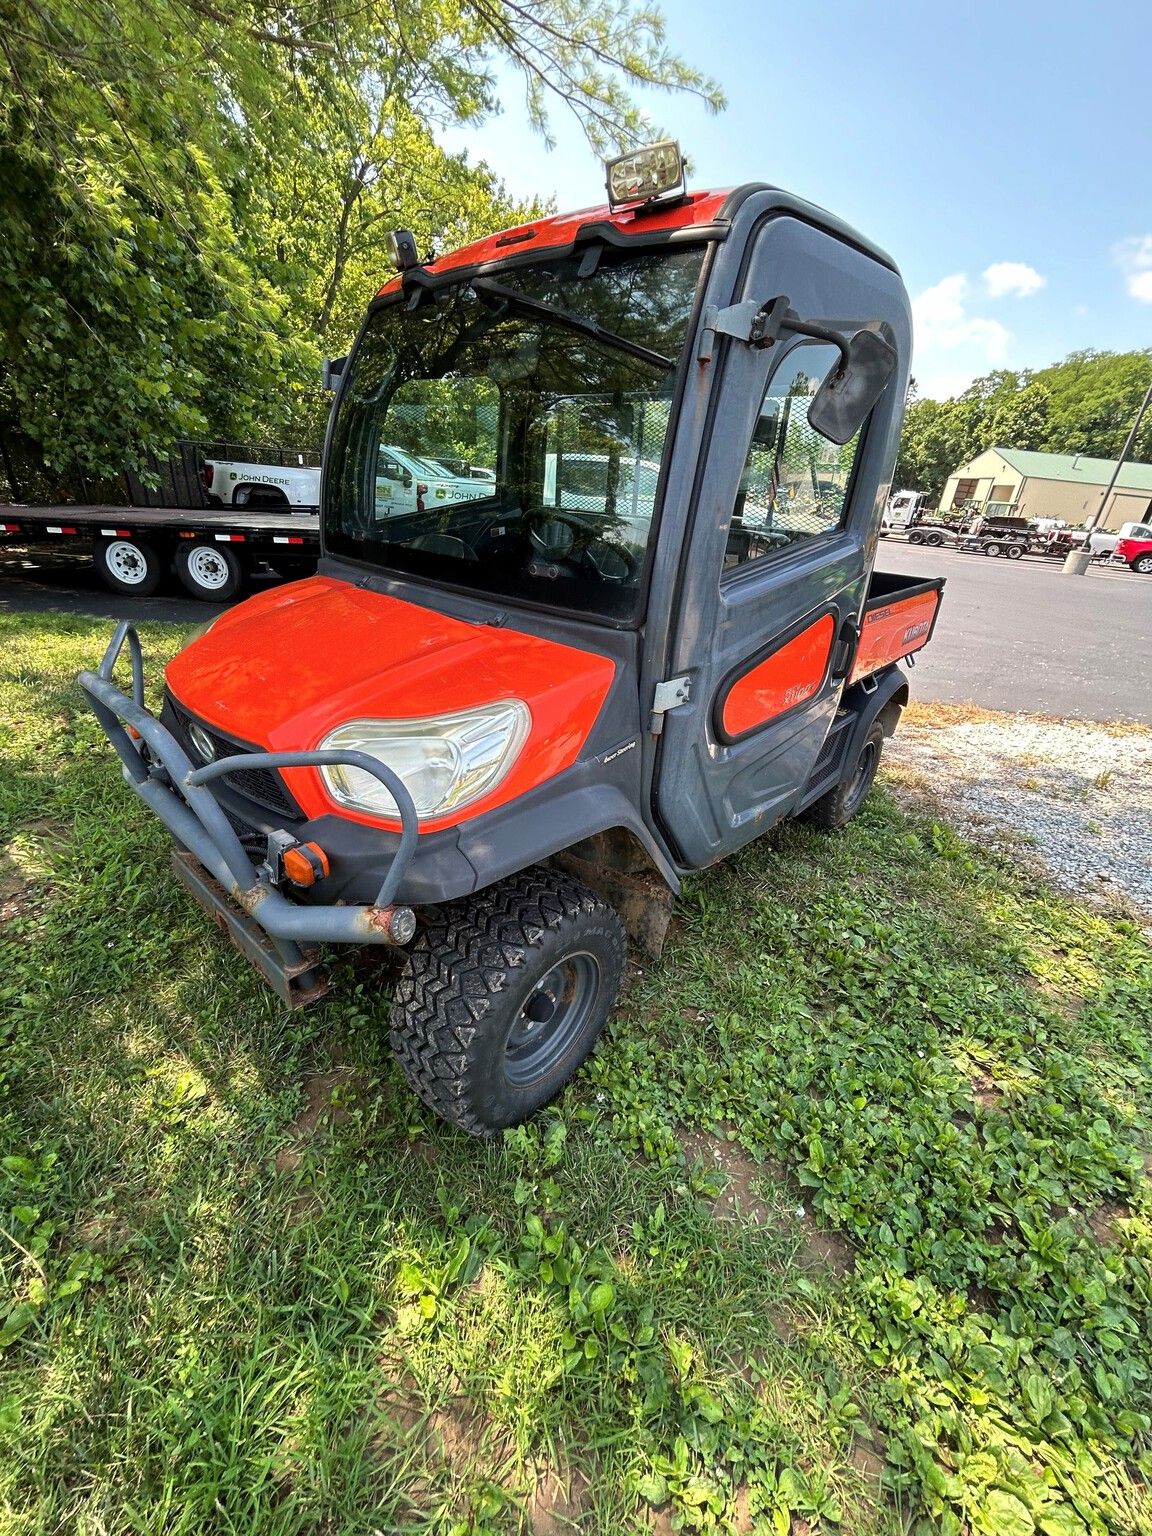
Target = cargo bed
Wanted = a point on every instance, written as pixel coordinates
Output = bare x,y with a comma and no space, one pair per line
898,620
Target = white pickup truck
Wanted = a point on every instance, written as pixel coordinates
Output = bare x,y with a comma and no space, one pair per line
401,478
228,483
1102,541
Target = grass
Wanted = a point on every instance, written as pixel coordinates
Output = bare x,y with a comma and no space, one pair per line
847,1226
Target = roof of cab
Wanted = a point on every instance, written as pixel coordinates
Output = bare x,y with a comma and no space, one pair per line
697,210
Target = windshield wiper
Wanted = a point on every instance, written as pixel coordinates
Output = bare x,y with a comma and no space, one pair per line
487,289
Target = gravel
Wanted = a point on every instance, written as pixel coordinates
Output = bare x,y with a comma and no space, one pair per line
1080,795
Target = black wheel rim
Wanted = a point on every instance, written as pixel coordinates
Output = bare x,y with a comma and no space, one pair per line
553,1016
862,778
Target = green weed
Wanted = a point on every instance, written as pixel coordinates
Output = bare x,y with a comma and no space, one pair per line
248,1285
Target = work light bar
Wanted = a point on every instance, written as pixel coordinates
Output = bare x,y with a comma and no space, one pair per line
644,174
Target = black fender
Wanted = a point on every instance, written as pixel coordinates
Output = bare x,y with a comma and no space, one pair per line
882,696
551,819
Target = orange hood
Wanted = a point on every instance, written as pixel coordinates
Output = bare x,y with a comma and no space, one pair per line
283,669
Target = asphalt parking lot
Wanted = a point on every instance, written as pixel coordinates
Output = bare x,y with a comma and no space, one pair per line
1020,635
1017,635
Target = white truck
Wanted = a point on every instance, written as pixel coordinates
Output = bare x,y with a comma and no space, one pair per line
228,483
1102,541
401,478
406,482
903,508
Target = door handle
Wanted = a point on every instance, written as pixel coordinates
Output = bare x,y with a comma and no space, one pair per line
845,650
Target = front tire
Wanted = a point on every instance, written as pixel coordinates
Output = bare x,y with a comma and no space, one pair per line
504,996
210,572
837,808
129,566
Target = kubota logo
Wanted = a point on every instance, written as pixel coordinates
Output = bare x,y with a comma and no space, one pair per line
798,691
915,631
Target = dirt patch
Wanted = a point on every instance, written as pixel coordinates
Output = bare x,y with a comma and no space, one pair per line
740,1197
15,890
559,1502
825,1250
459,1436
986,1093
1102,1223
326,1095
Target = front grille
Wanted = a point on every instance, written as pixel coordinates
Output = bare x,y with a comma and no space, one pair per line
263,786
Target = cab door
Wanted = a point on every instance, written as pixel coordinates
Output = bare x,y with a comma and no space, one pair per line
774,568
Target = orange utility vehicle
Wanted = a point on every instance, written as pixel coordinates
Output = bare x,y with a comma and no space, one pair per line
497,730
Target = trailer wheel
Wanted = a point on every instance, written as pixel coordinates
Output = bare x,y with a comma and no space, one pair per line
992,548
210,572
503,997
837,808
934,539
1143,564
915,538
1014,551
130,565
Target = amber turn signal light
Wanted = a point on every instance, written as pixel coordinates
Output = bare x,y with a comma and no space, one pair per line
305,864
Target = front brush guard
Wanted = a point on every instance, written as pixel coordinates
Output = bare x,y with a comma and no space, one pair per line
158,769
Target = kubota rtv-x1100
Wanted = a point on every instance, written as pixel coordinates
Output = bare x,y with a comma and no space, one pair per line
496,729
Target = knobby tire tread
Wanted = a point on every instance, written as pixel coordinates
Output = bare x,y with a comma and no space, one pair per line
459,966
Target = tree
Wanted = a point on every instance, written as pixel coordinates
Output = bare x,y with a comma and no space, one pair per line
1086,404
195,197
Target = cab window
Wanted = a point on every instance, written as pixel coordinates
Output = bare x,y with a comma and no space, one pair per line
794,484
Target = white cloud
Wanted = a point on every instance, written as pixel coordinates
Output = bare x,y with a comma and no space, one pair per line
943,322
1134,258
952,346
1012,279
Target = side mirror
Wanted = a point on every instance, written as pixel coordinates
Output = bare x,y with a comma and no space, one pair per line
841,404
333,368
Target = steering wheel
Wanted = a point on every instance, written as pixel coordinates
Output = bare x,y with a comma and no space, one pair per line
554,536
611,562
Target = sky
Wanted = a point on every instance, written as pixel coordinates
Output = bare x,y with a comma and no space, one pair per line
1002,153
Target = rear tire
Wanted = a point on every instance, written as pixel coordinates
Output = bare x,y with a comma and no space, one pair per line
503,997
934,539
210,572
130,566
837,808
1143,564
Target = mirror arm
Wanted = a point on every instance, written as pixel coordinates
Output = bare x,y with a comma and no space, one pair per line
818,333
759,325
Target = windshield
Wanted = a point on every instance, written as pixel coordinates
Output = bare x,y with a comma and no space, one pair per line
508,437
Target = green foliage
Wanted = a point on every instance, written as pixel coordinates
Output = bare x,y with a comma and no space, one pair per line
195,200
1086,404
247,1284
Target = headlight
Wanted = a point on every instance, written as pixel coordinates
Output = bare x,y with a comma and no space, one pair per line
445,761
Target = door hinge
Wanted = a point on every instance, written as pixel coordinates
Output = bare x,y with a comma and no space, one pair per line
756,323
668,695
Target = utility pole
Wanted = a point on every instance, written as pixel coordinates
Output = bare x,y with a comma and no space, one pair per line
1080,559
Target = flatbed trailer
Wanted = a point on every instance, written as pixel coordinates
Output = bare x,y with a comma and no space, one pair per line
211,549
